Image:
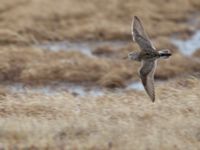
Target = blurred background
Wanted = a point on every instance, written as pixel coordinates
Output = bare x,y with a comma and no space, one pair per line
65,85
79,45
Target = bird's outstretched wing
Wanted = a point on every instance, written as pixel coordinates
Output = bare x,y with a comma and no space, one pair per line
147,76
140,36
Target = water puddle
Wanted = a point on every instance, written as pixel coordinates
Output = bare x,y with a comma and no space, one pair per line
85,47
135,86
138,86
76,90
50,90
192,43
189,46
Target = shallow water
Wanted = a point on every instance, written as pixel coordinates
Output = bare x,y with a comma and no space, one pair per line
76,90
85,47
50,90
135,86
189,46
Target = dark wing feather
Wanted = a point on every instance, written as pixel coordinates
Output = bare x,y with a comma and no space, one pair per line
147,76
140,36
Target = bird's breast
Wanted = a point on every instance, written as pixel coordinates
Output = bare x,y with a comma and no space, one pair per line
149,55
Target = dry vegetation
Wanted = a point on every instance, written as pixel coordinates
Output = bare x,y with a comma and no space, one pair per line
115,120
77,19
196,53
36,66
26,22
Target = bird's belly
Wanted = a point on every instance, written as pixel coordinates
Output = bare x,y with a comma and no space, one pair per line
150,56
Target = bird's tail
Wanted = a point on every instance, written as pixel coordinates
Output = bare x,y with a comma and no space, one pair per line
164,53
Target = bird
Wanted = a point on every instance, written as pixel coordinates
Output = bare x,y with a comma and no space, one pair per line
148,56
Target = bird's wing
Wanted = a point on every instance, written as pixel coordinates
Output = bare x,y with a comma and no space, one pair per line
140,36
147,76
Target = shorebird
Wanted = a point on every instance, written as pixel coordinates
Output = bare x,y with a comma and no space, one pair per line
148,56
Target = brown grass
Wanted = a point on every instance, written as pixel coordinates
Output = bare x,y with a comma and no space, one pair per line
117,120
177,65
22,22
114,121
77,19
37,66
105,51
196,53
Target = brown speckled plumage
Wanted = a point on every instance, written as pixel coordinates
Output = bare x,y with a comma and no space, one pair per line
148,56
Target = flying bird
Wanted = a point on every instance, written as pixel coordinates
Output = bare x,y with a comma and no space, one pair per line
148,55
